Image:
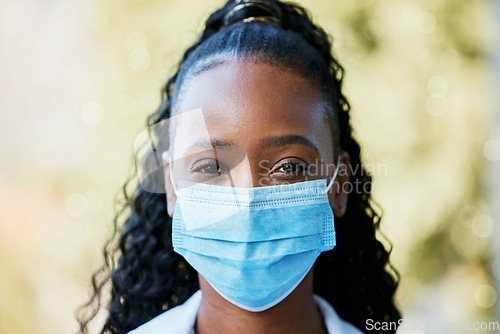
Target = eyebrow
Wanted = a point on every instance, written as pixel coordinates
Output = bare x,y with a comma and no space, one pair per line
289,140
272,142
204,143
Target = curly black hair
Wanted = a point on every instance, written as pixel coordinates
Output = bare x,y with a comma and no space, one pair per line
147,277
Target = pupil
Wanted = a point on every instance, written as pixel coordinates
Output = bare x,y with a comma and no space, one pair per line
292,168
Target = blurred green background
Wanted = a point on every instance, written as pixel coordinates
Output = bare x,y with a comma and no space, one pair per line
79,77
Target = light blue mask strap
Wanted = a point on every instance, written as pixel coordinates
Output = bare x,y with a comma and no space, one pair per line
332,180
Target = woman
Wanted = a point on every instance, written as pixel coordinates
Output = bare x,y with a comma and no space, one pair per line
268,224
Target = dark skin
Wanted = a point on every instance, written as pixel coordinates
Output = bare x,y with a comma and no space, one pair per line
258,125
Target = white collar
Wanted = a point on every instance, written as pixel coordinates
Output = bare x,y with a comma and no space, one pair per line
181,319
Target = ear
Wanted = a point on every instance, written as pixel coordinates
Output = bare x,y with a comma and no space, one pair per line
169,188
338,195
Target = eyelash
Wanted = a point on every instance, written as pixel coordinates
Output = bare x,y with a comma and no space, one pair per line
199,166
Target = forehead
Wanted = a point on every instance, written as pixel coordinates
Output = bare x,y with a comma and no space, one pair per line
240,79
248,100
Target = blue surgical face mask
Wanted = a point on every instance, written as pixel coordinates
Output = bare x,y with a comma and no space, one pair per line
253,245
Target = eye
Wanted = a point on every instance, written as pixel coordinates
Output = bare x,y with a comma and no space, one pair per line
291,169
208,167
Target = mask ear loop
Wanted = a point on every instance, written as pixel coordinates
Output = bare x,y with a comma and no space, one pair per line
332,180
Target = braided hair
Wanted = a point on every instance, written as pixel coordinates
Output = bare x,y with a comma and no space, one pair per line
144,273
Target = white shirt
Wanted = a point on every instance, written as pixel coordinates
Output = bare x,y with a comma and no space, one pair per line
181,319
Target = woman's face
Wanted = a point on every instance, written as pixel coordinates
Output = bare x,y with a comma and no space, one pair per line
251,124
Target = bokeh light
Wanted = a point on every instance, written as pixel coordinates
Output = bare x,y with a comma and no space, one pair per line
426,23
483,226
491,149
485,296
